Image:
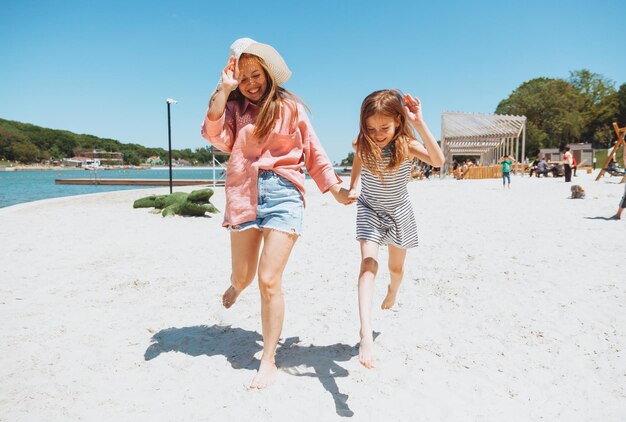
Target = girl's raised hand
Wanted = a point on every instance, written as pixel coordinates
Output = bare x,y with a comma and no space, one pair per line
230,74
413,107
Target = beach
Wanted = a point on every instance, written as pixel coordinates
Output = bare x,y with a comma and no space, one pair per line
512,308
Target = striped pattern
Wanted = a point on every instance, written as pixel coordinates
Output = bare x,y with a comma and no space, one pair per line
384,212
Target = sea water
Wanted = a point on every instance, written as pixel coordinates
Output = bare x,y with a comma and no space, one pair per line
17,187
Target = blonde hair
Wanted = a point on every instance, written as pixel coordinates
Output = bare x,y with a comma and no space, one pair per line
387,102
271,101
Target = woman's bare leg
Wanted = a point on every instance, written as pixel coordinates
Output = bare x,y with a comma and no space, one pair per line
244,248
277,247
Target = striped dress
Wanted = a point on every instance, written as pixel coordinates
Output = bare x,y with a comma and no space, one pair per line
384,211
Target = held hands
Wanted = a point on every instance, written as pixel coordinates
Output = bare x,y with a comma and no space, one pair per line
413,108
230,75
342,195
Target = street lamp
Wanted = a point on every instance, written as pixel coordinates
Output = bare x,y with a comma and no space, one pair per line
169,136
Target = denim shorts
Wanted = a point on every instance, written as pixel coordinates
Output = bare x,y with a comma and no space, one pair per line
279,207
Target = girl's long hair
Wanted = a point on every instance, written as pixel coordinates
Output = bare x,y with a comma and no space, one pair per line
271,101
389,103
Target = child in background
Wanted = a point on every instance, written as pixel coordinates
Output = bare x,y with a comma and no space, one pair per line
506,161
266,130
385,147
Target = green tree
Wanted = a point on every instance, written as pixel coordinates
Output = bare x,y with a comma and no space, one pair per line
348,160
25,152
56,153
132,158
204,155
66,144
600,106
621,106
8,137
553,111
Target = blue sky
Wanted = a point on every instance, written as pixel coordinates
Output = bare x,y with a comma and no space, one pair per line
106,67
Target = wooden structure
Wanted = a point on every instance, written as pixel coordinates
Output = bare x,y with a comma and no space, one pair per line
488,136
139,182
621,133
483,172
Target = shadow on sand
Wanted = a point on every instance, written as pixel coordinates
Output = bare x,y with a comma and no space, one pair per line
239,347
601,218
236,345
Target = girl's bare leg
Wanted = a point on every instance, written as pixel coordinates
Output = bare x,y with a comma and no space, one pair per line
277,247
396,271
367,275
244,247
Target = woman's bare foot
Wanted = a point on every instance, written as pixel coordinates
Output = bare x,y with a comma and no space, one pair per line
266,375
230,297
366,351
390,299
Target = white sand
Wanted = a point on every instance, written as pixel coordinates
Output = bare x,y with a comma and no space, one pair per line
512,308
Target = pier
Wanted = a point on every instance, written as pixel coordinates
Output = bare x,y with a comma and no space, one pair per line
139,182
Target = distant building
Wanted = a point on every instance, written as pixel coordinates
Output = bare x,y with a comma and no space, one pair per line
583,153
72,162
104,157
181,163
154,161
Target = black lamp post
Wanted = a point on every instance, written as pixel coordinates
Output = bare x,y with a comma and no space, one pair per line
169,136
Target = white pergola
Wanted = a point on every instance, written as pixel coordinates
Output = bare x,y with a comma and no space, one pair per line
489,136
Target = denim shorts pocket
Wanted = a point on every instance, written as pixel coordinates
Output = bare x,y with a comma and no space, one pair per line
283,181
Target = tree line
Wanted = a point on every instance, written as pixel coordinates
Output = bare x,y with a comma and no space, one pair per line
27,143
579,109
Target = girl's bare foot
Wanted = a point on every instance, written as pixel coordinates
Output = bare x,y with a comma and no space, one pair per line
266,375
366,351
390,299
230,297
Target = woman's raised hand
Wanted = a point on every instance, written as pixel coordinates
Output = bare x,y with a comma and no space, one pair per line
230,74
413,107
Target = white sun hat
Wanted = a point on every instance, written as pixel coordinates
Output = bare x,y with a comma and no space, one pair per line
270,56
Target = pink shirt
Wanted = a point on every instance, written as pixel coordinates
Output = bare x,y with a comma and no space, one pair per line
285,150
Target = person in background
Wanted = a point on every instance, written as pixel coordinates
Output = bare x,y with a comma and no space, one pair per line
622,202
506,161
567,163
542,168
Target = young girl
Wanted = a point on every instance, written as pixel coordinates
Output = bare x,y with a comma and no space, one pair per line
385,147
269,137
